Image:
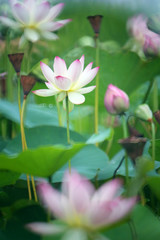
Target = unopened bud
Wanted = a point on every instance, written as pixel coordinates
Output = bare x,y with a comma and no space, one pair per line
144,112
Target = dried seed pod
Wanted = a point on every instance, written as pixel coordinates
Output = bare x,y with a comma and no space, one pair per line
95,22
157,116
16,60
27,84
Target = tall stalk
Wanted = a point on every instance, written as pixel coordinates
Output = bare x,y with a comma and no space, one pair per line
68,132
125,135
153,142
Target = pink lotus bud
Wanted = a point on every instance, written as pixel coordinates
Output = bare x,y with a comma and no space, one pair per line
116,101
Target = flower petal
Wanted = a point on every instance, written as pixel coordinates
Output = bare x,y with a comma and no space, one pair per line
82,61
89,66
52,199
76,98
65,21
86,90
9,22
31,34
54,11
21,12
49,35
42,11
78,190
50,26
63,83
86,77
45,228
74,70
45,92
59,66
61,96
51,86
47,72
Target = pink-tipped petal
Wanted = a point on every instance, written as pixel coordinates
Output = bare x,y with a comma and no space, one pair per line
59,66
86,77
78,190
64,22
76,98
86,90
31,35
54,11
21,12
45,92
52,199
74,70
51,86
42,11
50,26
82,61
62,83
47,72
45,228
89,66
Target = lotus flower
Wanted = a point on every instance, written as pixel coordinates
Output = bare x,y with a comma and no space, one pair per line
68,82
144,112
150,41
80,206
35,19
116,101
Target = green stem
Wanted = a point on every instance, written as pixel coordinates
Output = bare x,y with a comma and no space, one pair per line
155,95
97,87
153,142
59,112
30,46
68,133
19,94
125,135
133,230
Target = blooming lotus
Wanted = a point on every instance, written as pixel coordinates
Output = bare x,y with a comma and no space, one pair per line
80,206
149,40
35,19
116,101
67,82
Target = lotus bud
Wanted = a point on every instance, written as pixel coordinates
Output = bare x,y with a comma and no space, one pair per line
16,60
144,112
116,101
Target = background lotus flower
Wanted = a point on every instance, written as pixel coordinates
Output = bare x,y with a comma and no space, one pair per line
68,82
149,40
80,206
116,101
144,112
35,19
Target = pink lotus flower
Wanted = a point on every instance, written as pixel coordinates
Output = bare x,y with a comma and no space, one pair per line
150,41
80,206
116,101
35,19
68,82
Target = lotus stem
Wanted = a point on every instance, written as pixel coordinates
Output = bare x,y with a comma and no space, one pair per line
97,86
68,133
155,95
125,135
153,142
19,94
59,112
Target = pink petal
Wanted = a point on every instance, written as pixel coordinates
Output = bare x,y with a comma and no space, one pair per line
63,83
78,190
45,228
74,70
86,90
42,11
89,66
86,77
52,199
50,26
64,22
76,98
44,92
47,72
51,86
59,66
54,11
21,12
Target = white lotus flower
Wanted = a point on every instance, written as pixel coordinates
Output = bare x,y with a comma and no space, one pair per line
68,82
82,207
35,19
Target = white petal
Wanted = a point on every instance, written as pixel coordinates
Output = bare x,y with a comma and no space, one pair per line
86,77
86,90
45,228
54,11
44,92
65,21
31,35
42,11
62,83
74,70
59,66
51,86
89,66
9,22
61,96
50,26
49,35
47,72
21,12
82,61
76,98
